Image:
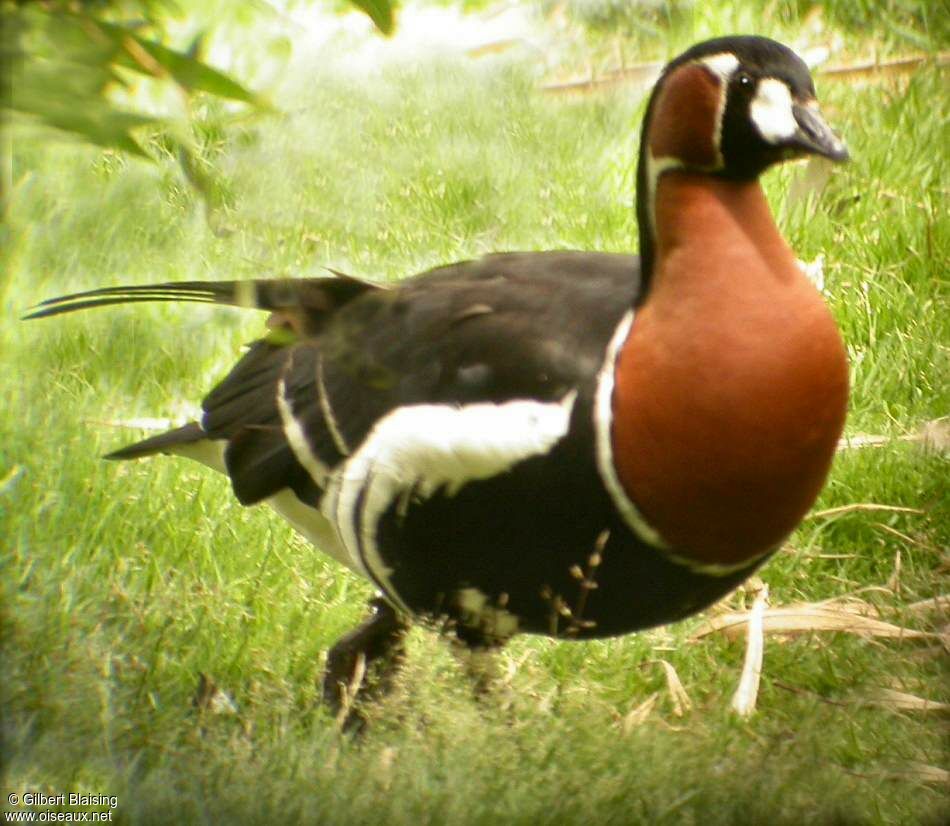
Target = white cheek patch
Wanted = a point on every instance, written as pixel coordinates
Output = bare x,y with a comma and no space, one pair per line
771,111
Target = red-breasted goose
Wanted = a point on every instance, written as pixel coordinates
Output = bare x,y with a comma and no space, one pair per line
576,444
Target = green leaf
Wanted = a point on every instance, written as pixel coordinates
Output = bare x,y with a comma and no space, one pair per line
68,96
62,65
188,72
103,126
379,11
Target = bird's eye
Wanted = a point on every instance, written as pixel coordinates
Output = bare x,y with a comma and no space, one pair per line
744,80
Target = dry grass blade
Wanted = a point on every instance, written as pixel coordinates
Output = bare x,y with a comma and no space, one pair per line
210,698
142,423
901,701
934,605
678,695
809,181
862,440
868,69
640,74
922,772
638,715
806,619
933,435
744,700
387,757
350,691
495,47
643,74
863,506
894,580
10,478
903,536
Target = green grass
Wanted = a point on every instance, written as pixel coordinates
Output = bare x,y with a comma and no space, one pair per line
122,583
648,30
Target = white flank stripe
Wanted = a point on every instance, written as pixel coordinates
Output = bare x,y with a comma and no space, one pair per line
420,449
297,439
771,111
603,418
327,412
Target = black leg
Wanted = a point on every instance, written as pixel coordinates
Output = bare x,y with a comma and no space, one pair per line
363,663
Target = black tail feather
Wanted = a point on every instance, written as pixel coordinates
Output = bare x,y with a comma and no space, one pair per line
187,434
308,294
200,291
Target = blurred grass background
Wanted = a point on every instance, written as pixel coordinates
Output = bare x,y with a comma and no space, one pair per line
124,583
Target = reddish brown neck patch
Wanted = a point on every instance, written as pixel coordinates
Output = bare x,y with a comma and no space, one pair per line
685,119
731,389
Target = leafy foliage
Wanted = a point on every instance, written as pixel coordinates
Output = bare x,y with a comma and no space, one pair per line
379,11
63,64
652,24
64,60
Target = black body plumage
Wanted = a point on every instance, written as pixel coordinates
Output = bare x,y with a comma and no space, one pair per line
504,327
450,437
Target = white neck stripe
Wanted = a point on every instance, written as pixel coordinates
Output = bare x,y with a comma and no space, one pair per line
722,65
655,168
603,419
